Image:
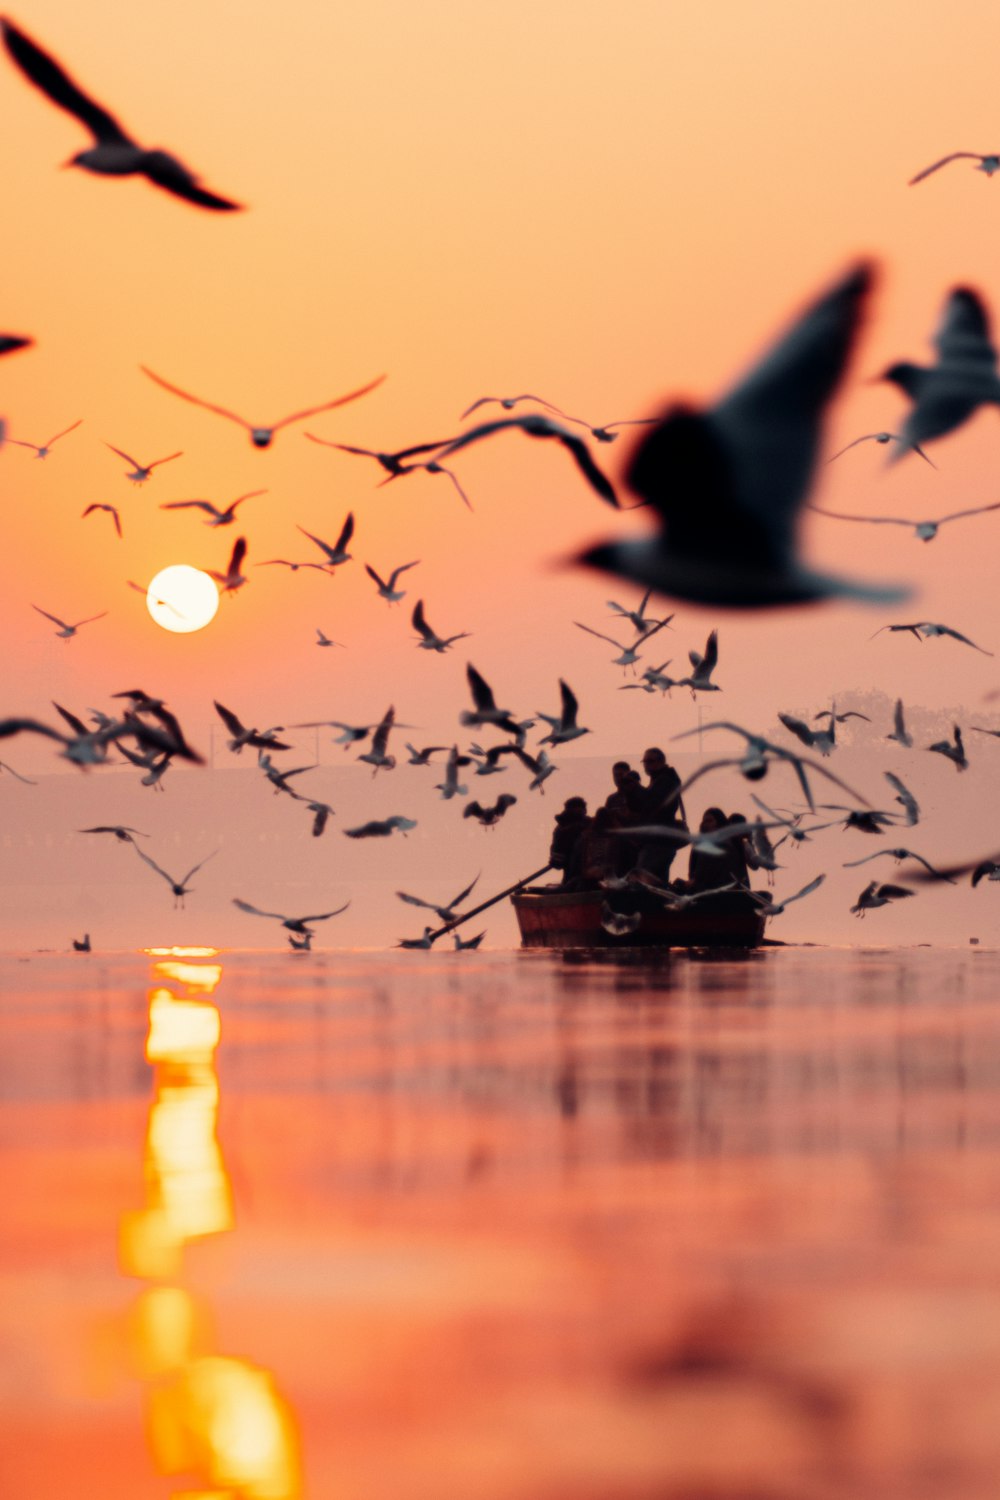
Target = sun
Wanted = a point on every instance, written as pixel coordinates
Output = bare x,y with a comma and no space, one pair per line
182,598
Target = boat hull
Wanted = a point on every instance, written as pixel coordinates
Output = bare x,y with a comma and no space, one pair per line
572,919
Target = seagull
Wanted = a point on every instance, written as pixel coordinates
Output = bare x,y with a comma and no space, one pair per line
139,473
489,816
321,812
953,749
771,908
280,779
875,895
900,854
638,617
988,868
451,787
823,740
388,591
284,562
427,941
232,579
82,945
112,511
605,434
468,943
260,740
963,377
629,654
376,756
113,153
446,913
326,640
864,820
16,774
726,484
429,640
298,925
422,757
900,733
84,747
300,944
486,711
155,765
381,828
262,437
925,630
564,728
430,466
392,463
121,831
988,164
700,680
65,631
489,759
338,553
539,765
162,603
216,517
653,679
180,888
757,757
924,531
542,427
875,437
905,798
43,450
849,713
352,734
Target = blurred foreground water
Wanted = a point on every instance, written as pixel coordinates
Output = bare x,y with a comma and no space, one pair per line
433,1225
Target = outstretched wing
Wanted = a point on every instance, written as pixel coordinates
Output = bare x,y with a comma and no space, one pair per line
45,73
175,390
953,156
311,411
195,868
153,865
54,618
255,911
228,718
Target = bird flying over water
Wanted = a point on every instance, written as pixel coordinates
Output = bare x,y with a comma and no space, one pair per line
489,816
924,531
140,472
629,654
564,727
901,854
216,517
449,910
638,618
180,888
262,437
112,511
241,735
875,895
962,378
113,152
293,924
429,639
44,449
65,631
122,832
726,484
989,164
338,553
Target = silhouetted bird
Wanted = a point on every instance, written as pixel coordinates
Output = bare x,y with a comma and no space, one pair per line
262,437
962,378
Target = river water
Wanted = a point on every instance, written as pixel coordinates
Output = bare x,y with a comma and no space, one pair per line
433,1225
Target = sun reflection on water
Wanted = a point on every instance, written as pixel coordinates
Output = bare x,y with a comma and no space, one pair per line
216,1420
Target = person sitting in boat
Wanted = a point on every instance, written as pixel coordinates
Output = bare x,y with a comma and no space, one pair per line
658,803
570,824
625,799
742,856
597,854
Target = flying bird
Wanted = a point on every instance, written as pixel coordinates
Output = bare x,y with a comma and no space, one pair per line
232,579
638,618
44,449
953,749
216,517
451,786
823,740
139,473
926,630
180,888
565,727
262,437
901,854
429,639
905,798
321,812
962,378
112,512
388,590
449,910
381,828
924,531
542,427
605,434
377,756
422,757
122,832
758,755
726,484
700,680
338,553
988,164
771,908
241,735
298,925
65,631
326,640
900,733
489,816
113,153
877,437
875,895
486,711
16,774
629,654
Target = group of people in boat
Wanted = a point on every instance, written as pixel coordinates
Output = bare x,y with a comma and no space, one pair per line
589,848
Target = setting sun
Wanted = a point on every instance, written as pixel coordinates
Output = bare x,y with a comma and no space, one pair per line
182,598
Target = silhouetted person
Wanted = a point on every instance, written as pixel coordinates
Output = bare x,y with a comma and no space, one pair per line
658,804
570,824
597,852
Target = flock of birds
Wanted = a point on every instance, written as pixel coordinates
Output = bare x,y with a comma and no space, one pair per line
723,488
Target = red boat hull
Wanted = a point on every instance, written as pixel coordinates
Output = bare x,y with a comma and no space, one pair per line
572,919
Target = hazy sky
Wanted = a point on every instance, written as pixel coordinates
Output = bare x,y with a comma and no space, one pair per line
608,208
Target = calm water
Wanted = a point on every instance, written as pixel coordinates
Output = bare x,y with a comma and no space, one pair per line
443,1225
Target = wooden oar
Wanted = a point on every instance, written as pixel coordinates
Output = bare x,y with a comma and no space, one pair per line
526,880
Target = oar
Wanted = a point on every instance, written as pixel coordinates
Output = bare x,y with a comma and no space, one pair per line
525,880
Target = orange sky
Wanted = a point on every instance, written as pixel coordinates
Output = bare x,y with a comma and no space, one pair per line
607,209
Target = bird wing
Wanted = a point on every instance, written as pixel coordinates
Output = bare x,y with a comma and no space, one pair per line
122,454
600,637
54,618
954,156
837,515
482,693
537,426
376,579
440,469
255,911
158,461
963,335
462,894
978,510
321,545
805,891
153,865
175,390
205,505
45,73
419,623
957,634
228,718
312,411
798,728
195,868
62,434
32,726
865,437
473,810
90,619
415,901
324,916
853,863
403,568
710,660
569,704
346,532
77,725
239,552
20,443
174,177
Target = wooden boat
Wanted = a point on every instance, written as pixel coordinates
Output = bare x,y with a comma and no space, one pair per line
572,919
